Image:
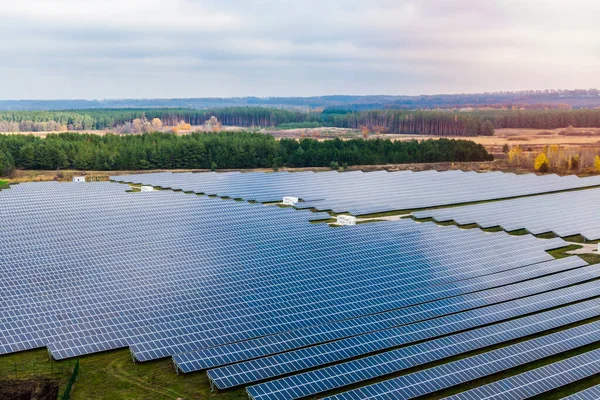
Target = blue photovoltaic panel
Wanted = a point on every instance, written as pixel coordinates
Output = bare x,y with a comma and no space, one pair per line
90,267
538,214
286,363
592,393
352,372
360,192
303,317
260,347
457,372
541,380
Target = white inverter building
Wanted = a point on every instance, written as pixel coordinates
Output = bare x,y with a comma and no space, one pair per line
147,188
290,201
79,179
347,220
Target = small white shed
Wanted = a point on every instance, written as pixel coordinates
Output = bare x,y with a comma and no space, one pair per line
79,179
290,201
347,220
147,188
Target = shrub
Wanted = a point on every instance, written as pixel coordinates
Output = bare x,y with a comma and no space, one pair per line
487,128
542,164
7,164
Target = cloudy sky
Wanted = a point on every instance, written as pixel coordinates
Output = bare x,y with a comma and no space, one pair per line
194,48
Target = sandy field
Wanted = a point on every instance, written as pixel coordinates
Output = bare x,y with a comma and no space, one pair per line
533,139
526,138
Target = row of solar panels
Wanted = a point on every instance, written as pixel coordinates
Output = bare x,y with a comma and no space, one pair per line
445,375
220,286
565,214
362,193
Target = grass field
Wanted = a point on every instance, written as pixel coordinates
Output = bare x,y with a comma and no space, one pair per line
113,375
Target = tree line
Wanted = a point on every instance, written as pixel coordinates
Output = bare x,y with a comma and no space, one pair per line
549,97
383,121
218,150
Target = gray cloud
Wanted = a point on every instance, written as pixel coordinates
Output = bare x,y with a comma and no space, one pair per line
193,48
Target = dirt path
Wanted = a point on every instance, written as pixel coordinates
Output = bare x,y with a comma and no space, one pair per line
115,370
587,248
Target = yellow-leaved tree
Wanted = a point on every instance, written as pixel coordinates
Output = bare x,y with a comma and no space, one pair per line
597,163
542,164
514,155
553,154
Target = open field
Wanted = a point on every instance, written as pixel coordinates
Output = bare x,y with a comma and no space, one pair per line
526,138
112,375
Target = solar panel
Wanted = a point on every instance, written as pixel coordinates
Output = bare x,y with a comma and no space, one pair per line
541,380
592,393
457,372
352,372
260,347
90,267
360,192
539,214
321,315
286,363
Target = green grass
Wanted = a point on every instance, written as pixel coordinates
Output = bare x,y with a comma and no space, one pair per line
3,183
587,257
561,252
518,232
468,226
590,258
492,229
34,364
112,375
547,235
578,239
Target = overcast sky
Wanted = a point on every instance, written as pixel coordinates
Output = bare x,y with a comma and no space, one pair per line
97,49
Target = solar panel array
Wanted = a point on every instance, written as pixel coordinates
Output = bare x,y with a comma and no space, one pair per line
375,366
565,214
592,393
274,344
360,192
543,379
259,296
467,369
